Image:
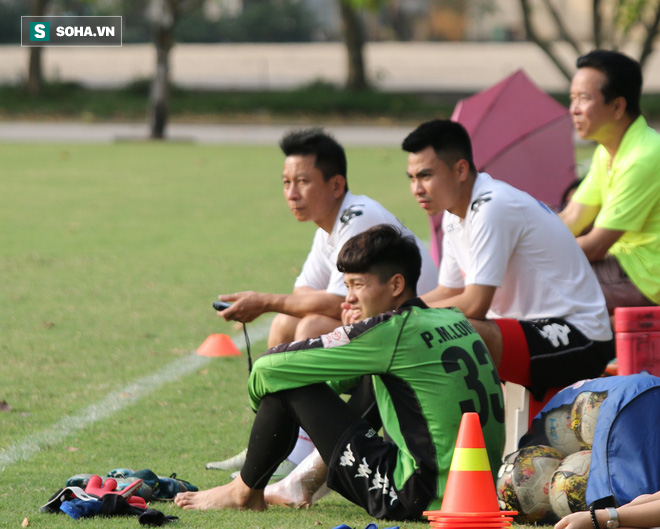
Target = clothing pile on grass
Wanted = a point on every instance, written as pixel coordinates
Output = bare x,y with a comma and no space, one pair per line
123,492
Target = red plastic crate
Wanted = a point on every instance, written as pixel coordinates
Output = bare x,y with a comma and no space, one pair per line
638,352
636,319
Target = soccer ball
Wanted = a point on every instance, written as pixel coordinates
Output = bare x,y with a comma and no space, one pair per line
505,491
568,486
584,416
559,432
523,482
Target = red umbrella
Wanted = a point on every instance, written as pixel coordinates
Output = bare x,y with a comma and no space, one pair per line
520,135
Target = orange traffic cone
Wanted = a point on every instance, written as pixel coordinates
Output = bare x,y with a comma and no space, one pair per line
470,499
470,486
218,345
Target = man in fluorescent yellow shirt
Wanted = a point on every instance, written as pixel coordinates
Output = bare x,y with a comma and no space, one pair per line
620,195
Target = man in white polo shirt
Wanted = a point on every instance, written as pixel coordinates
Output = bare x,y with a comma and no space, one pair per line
511,265
316,189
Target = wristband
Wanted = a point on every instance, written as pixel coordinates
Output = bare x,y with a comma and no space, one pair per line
613,522
594,520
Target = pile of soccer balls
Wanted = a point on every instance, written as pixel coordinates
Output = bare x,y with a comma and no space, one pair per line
544,483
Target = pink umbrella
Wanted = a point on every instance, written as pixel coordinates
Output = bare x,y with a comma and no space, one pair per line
520,135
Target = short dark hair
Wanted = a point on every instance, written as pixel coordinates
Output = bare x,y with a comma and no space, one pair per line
382,250
568,192
623,77
330,155
449,139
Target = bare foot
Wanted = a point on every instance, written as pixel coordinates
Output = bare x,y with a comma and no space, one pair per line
302,487
287,495
234,495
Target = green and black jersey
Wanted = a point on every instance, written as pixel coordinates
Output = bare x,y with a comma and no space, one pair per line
428,366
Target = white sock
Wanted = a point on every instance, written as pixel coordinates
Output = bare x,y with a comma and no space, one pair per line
303,448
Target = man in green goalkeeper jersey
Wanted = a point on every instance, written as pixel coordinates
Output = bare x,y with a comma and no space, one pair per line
420,368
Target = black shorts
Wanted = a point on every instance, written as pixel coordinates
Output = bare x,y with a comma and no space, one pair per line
549,353
361,469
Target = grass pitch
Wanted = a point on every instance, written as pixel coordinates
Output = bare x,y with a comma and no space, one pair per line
110,258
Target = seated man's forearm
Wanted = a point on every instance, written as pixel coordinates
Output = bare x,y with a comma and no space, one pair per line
473,301
309,301
597,242
435,297
578,216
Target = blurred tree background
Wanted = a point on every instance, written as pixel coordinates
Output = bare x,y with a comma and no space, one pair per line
562,29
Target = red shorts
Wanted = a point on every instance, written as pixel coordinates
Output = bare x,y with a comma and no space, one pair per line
549,353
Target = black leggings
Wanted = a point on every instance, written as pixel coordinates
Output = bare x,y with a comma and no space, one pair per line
323,414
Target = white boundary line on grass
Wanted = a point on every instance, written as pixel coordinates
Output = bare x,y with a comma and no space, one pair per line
116,401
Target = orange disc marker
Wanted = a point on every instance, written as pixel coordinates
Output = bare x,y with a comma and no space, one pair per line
218,345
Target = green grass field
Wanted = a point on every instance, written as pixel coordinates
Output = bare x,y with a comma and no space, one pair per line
110,258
